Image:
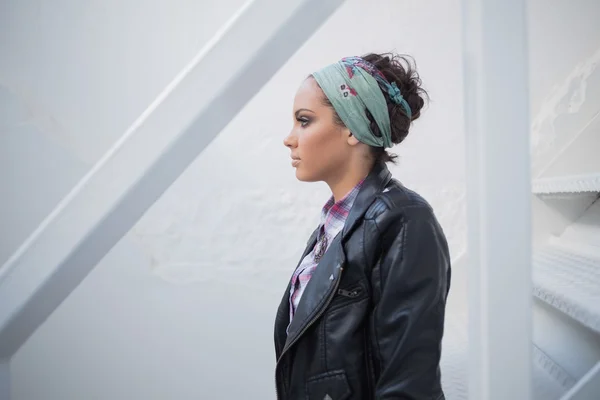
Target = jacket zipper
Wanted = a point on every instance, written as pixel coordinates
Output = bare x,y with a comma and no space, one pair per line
349,293
312,321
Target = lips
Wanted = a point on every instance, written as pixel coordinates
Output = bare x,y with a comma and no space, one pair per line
295,162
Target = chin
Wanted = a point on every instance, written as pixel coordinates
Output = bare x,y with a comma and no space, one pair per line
302,176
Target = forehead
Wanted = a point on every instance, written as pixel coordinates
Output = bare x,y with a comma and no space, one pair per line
309,95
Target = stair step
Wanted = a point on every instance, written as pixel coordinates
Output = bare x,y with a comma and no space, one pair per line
585,183
567,276
586,229
550,381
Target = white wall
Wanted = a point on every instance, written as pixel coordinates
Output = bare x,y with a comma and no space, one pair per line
564,74
182,307
73,76
35,172
88,68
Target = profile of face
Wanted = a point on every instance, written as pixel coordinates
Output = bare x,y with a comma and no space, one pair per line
320,148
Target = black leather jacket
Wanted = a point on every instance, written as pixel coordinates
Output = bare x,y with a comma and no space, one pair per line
370,322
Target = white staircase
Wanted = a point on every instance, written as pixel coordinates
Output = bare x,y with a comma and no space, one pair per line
566,264
566,275
568,184
566,280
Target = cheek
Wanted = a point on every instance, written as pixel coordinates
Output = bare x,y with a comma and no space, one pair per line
314,142
320,147
325,133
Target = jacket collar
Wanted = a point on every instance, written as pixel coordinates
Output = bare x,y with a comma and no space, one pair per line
324,279
376,181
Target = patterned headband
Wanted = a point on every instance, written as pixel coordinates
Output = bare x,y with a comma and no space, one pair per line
392,89
353,85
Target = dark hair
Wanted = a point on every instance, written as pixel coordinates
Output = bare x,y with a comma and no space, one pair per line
402,70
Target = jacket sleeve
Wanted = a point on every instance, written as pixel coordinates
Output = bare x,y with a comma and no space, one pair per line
407,320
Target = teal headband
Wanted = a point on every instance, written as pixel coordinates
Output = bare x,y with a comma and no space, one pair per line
352,85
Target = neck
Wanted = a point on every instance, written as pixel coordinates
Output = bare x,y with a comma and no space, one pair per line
350,176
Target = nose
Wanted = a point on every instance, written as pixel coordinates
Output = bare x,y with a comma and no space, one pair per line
290,141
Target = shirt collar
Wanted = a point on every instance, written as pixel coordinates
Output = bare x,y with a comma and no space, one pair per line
335,212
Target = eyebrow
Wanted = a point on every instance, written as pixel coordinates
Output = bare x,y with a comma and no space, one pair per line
302,109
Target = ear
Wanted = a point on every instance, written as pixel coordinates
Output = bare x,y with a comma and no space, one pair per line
352,140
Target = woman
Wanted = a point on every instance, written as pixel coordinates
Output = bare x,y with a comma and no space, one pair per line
363,314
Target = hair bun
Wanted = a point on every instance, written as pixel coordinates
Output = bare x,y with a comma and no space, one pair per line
401,70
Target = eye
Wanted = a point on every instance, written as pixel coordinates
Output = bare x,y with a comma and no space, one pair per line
303,121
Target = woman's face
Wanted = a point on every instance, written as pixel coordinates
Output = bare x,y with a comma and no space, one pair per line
320,148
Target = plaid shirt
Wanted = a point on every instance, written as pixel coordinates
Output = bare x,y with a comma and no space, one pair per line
333,217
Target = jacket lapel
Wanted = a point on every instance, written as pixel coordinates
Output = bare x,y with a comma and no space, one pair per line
327,273
283,312
323,279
